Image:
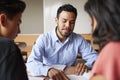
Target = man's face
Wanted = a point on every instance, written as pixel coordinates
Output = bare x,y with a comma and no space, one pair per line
11,27
65,23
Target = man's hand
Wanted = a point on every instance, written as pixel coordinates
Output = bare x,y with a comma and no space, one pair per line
55,74
78,69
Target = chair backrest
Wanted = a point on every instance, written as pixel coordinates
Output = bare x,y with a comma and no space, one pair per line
29,39
25,43
21,44
88,37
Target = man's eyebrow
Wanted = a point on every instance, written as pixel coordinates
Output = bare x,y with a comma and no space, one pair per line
64,18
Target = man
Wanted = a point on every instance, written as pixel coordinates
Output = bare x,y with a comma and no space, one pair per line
12,66
55,52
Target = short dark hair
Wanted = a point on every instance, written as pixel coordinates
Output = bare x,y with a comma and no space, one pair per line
11,7
66,7
107,15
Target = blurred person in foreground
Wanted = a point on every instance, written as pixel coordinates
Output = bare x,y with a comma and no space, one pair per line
105,21
12,66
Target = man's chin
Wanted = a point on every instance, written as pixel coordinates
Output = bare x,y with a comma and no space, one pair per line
66,35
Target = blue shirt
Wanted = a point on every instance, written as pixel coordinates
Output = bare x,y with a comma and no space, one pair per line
49,51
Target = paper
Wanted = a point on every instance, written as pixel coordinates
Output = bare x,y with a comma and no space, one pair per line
85,76
35,78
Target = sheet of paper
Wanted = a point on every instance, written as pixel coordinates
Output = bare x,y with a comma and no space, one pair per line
85,76
35,78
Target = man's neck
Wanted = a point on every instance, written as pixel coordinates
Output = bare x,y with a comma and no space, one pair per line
61,38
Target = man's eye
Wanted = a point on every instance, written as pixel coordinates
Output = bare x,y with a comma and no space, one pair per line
63,21
72,22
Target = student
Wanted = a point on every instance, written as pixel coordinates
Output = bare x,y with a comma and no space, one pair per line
60,47
105,19
12,66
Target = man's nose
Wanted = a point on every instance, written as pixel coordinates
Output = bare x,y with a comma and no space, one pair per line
67,24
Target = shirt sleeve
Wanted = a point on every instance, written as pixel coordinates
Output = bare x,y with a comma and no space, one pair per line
34,63
36,67
88,53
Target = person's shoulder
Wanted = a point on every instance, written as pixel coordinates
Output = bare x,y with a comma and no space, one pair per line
116,44
76,35
6,41
7,45
46,35
112,48
112,45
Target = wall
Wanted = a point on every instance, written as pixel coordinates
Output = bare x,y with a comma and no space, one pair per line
33,17
50,9
40,14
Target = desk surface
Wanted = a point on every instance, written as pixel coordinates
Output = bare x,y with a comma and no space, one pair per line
26,48
85,76
96,47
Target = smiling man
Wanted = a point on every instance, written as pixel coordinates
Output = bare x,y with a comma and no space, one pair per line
60,47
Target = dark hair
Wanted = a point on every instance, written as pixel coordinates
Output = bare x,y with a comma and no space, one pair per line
66,7
107,15
11,7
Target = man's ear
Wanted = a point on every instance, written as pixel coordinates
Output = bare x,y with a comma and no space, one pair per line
56,20
3,19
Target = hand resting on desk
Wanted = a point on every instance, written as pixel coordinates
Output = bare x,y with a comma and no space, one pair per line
56,74
78,69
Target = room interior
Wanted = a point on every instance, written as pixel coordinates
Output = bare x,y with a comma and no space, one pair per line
39,17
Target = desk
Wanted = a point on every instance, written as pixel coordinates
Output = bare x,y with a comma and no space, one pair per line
26,49
85,76
96,47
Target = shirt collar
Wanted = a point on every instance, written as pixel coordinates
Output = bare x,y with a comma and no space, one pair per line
55,38
54,35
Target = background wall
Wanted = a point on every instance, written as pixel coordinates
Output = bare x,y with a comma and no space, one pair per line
33,17
39,16
50,9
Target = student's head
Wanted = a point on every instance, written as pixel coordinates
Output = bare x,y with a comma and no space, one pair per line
105,18
65,19
10,17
